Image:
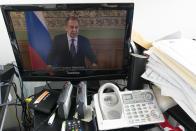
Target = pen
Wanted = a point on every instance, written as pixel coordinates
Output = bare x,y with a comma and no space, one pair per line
63,128
50,121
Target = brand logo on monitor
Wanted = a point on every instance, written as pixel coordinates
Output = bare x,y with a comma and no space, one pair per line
73,73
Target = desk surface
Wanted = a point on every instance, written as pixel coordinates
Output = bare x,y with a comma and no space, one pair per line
40,119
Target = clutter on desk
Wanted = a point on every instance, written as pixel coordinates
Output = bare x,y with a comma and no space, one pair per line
171,66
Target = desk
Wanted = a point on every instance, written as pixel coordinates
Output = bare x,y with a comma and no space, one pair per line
40,120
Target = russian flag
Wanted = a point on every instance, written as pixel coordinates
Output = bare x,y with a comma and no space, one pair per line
38,38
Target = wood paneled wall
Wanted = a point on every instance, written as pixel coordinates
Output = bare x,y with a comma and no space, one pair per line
109,52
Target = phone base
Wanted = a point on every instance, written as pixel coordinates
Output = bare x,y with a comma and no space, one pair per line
139,108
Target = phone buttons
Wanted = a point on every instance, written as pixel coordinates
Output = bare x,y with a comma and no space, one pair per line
155,114
133,109
149,119
149,96
142,116
135,116
132,106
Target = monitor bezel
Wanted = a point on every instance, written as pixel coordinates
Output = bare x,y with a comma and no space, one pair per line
71,74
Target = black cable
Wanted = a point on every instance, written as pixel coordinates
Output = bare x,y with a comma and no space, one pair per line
26,121
9,103
17,116
15,90
33,95
48,85
17,96
20,79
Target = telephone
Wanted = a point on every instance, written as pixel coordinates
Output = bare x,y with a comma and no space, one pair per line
121,109
110,104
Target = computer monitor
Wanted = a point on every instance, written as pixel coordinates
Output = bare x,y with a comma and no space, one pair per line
42,40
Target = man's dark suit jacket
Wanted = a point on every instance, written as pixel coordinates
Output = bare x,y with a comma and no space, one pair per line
60,52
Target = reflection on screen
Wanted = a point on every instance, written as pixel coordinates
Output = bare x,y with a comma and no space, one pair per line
99,44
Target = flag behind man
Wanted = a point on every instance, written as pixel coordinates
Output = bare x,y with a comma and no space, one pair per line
38,38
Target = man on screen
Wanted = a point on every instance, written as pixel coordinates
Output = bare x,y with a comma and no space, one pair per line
70,49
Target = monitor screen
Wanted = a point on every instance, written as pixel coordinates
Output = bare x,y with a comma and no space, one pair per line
70,41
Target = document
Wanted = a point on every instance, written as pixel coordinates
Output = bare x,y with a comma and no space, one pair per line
180,50
176,67
170,82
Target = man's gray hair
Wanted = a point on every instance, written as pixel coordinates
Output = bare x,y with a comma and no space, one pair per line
71,18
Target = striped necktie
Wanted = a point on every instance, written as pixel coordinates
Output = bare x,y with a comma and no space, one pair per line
72,48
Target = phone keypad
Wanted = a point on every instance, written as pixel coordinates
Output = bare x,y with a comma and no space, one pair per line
138,112
141,109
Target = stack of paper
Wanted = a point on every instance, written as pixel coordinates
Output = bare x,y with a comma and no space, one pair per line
171,66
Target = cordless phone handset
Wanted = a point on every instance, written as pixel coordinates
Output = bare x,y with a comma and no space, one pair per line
110,105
